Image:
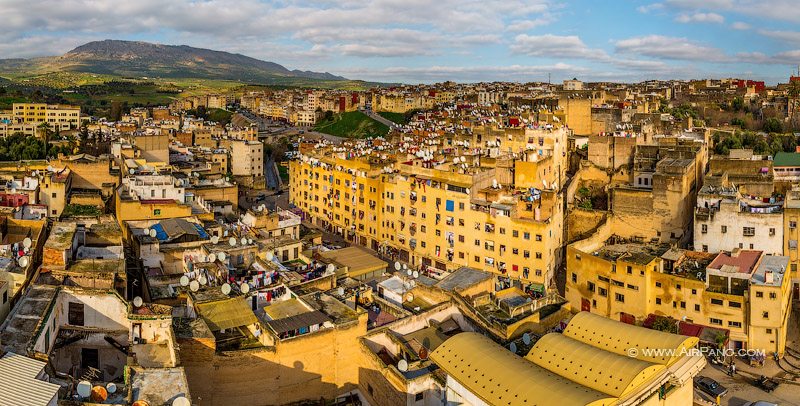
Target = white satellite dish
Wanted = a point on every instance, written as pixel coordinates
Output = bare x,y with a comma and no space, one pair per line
249,240
340,291
84,389
137,301
330,268
405,266
203,280
409,297
526,338
152,233
27,243
111,387
215,239
194,286
226,289
184,280
402,365
409,272
221,256
181,401
270,255
232,242
212,257
397,266
467,190
415,275
23,261
131,171
245,288
244,241
513,348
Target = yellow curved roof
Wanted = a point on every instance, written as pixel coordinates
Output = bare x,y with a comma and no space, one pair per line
618,337
501,378
590,366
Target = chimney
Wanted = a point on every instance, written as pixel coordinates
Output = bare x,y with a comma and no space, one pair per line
768,277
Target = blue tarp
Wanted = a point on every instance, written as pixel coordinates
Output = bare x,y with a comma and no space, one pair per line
449,205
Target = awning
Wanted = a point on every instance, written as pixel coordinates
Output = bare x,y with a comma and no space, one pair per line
226,314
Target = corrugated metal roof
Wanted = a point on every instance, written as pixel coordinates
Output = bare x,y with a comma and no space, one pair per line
18,383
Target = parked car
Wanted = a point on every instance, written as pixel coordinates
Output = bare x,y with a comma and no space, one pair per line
760,403
766,384
710,386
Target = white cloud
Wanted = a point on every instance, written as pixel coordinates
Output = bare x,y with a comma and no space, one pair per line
658,46
700,18
554,46
739,25
792,37
650,7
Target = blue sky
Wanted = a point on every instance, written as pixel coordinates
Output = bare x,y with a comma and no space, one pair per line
417,41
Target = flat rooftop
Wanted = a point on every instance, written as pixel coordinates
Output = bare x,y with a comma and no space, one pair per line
744,260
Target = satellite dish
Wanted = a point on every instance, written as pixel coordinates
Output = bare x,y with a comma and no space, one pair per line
340,291
203,280
397,266
215,239
232,242
270,255
23,261
244,241
402,365
84,389
245,288
513,348
137,301
181,401
330,268
405,266
526,338
423,353
194,286
184,280
221,256
111,387
131,171
409,272
27,243
99,394
152,233
409,297
226,289
467,190
212,257
249,240
415,275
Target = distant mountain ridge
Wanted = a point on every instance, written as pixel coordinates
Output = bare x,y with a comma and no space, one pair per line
144,59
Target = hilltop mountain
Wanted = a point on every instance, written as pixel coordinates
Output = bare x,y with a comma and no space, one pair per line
143,59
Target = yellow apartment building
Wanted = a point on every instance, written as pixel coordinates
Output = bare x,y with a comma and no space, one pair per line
744,292
439,219
62,117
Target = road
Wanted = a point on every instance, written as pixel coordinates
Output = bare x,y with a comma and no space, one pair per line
377,117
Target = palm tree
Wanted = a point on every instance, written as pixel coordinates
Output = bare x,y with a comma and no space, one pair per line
46,130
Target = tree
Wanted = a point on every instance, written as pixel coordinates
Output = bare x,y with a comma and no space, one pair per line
773,125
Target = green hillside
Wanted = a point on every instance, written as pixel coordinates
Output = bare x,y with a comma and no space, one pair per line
354,124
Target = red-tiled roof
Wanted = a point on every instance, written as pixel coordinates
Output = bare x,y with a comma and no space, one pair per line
746,260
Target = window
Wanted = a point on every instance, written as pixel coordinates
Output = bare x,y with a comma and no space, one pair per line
736,305
678,286
724,229
54,196
590,286
765,315
538,237
771,232
697,307
737,324
748,231
704,228
526,236
370,390
792,224
705,248
630,269
658,300
683,305
658,284
619,297
759,294
574,277
156,212
769,331
717,322
419,396
716,301
694,291
5,297
773,295
602,291
75,315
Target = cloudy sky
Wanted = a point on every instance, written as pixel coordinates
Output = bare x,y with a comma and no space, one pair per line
434,40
